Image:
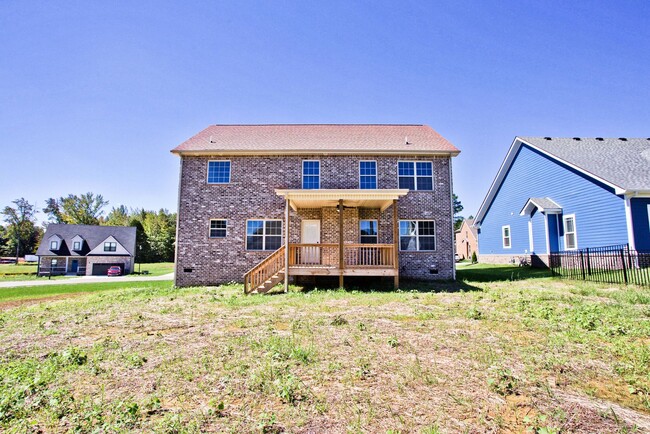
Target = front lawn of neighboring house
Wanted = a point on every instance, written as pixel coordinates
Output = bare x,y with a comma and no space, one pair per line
20,272
491,272
531,355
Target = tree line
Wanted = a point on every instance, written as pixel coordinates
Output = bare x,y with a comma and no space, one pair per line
155,231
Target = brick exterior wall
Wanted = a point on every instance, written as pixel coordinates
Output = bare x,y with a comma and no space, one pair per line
250,195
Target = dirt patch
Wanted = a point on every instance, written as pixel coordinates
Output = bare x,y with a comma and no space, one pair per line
11,304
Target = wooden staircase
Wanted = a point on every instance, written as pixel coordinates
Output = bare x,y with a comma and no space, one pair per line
265,275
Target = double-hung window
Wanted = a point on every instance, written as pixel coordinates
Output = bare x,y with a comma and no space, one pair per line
54,245
263,234
415,175
311,174
505,237
570,238
218,172
367,174
218,228
110,246
76,246
417,235
368,231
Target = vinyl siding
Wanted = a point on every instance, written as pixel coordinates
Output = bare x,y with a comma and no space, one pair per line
641,223
539,233
600,214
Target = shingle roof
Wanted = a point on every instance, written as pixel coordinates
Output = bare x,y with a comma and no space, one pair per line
624,163
92,235
316,138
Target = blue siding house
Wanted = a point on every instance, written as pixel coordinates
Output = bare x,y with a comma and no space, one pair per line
556,194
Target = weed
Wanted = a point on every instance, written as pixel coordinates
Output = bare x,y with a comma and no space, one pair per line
503,382
393,342
339,320
474,313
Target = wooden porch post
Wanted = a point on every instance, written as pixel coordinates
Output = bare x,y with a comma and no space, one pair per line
286,246
396,242
341,253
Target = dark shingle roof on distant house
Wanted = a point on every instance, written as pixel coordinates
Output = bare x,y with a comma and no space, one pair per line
92,235
316,138
624,163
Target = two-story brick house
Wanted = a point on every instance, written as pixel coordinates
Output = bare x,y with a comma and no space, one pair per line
347,200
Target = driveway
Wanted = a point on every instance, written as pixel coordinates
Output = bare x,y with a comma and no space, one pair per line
85,279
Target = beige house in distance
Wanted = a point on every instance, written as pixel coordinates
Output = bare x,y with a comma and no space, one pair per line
263,204
467,240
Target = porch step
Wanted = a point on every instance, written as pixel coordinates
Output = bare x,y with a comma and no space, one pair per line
271,282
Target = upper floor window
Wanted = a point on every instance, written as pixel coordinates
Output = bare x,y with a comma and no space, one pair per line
367,174
218,228
415,175
570,239
368,231
54,245
311,174
110,246
76,246
417,235
218,172
263,234
505,237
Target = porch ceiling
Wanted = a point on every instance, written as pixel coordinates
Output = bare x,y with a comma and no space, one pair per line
377,198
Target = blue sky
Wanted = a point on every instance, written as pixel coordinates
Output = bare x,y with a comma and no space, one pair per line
93,95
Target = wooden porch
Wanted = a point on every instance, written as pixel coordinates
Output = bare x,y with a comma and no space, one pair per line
330,259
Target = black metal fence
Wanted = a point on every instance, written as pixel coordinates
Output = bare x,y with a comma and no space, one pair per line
610,264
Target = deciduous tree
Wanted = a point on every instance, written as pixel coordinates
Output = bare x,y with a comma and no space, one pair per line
22,233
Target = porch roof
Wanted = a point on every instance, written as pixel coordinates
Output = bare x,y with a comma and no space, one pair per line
544,204
356,198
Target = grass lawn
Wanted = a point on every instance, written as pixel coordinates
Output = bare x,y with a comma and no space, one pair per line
21,272
492,273
157,269
531,355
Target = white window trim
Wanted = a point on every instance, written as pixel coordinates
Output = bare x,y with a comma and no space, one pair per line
503,236
56,245
376,226
210,229
575,231
110,242
649,216
76,249
415,173
417,235
302,171
264,235
207,171
376,173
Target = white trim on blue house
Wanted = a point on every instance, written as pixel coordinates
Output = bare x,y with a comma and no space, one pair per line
504,237
629,223
531,244
548,237
575,231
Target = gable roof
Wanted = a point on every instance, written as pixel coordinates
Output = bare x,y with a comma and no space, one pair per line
621,163
299,139
92,235
544,204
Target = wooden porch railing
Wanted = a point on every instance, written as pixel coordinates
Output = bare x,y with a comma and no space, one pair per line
369,255
260,273
355,255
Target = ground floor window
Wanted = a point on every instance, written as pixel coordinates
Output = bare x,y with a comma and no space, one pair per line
570,239
368,231
417,235
263,234
218,228
505,236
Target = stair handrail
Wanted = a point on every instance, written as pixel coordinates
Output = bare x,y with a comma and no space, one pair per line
262,271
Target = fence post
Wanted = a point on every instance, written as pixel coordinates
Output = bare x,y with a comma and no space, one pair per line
623,262
588,263
582,265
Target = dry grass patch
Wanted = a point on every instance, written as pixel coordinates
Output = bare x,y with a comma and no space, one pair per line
503,357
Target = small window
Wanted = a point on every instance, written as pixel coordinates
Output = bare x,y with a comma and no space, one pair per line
54,262
415,175
263,234
368,231
367,174
110,246
311,175
76,246
505,236
218,172
570,239
54,245
419,235
218,228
